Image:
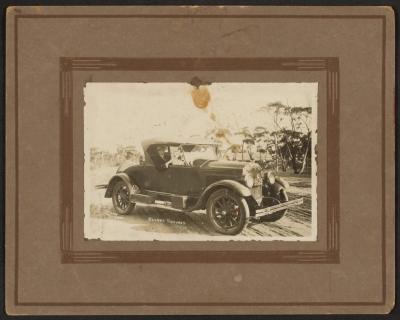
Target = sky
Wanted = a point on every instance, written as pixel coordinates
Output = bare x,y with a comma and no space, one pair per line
127,113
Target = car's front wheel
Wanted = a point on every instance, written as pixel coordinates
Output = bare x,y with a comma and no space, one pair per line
227,212
120,198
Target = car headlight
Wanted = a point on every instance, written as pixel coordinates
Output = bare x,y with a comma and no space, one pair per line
249,180
252,175
270,177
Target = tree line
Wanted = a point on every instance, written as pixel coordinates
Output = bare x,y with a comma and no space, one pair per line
104,158
287,144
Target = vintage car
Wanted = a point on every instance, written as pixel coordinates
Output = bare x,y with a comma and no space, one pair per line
189,176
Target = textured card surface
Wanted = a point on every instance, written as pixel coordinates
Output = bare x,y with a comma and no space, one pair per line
199,160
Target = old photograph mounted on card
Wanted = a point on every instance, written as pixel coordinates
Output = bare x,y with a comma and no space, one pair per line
200,161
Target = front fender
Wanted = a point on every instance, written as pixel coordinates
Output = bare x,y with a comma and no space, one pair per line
117,177
277,187
231,184
282,182
239,188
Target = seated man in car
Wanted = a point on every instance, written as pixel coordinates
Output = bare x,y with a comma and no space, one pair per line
165,156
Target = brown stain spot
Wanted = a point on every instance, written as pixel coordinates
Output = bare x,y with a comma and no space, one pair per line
220,133
201,97
236,148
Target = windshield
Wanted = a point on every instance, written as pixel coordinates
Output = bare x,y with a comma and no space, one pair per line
188,154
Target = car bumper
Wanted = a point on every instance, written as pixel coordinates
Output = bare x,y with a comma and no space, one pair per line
279,207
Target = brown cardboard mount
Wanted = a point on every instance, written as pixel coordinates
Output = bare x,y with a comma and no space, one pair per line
52,52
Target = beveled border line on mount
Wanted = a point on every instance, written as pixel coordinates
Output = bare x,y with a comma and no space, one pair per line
201,16
200,64
381,17
328,64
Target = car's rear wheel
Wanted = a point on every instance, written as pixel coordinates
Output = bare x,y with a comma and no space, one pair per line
227,212
271,201
120,198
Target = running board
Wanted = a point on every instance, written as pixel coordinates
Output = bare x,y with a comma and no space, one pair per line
173,201
164,203
142,198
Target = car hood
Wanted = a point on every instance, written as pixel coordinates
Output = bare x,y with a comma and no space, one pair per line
224,164
234,169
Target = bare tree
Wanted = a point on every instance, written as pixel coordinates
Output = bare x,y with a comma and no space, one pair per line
292,135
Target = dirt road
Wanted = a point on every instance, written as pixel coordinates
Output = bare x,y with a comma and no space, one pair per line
154,222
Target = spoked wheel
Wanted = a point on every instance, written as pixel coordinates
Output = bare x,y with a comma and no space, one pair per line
271,201
120,198
227,212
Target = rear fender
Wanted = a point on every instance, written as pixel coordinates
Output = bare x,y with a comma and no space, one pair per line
118,177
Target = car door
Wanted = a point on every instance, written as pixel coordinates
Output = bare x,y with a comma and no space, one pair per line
151,178
154,173
183,179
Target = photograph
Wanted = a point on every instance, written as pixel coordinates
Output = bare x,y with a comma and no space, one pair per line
200,161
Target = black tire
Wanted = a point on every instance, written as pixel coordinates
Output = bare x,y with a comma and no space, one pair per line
120,198
281,197
227,212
